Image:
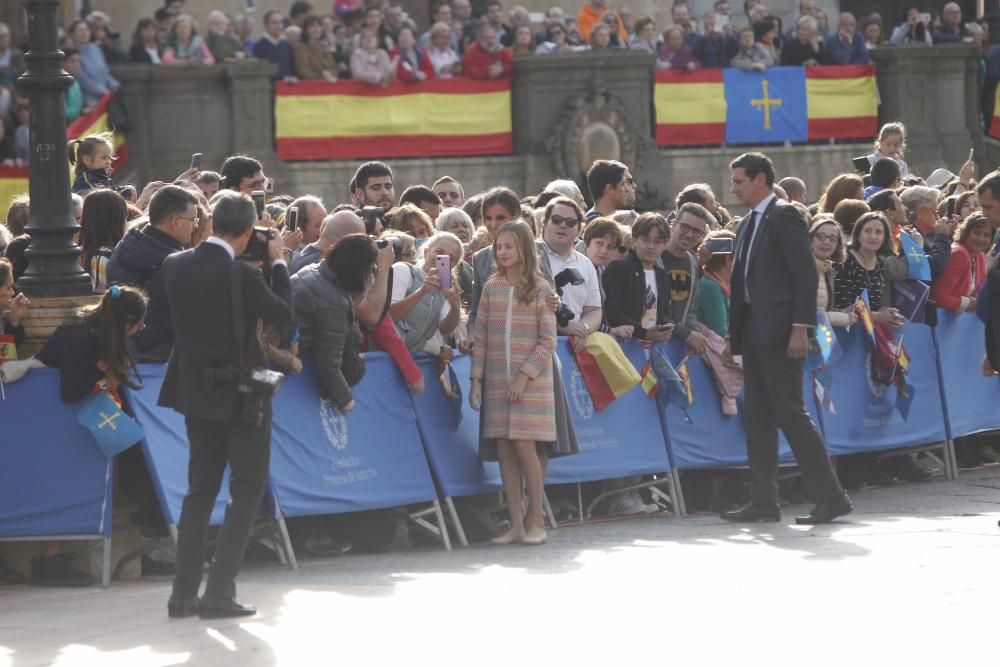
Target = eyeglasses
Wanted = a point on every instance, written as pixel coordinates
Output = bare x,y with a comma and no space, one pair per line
685,228
564,222
193,221
259,183
825,238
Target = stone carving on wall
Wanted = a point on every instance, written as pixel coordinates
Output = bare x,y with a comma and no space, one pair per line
598,126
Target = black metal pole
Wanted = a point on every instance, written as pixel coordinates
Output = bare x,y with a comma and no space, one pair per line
53,258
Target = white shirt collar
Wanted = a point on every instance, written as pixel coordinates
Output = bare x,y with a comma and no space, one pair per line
222,244
553,253
764,203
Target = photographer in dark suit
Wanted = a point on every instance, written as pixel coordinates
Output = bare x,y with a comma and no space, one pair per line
774,283
215,303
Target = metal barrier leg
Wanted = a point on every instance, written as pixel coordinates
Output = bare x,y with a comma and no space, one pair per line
678,493
548,511
449,505
286,543
579,500
442,526
106,562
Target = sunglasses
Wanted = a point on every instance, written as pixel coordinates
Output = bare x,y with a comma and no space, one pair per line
564,222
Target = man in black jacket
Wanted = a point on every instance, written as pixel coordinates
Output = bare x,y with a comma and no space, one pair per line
773,305
201,383
138,258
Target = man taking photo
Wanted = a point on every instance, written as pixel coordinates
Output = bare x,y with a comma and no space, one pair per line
216,301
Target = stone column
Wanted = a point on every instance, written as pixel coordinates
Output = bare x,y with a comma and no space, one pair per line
53,268
934,92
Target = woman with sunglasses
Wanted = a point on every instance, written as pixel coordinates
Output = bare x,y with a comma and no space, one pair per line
556,41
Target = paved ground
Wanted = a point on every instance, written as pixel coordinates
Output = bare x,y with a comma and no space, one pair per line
911,579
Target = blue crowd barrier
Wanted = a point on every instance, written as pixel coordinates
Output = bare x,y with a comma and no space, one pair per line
326,462
166,447
452,450
973,398
54,481
867,418
623,439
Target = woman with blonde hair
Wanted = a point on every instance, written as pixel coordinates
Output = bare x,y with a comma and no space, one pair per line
515,340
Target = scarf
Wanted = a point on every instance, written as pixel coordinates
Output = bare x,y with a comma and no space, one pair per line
724,284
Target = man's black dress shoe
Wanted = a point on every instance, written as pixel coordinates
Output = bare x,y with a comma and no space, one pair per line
827,510
182,607
215,608
751,513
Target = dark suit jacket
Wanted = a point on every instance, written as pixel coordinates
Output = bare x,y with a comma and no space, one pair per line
624,290
782,277
201,306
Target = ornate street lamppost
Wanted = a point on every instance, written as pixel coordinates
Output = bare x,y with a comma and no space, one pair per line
53,258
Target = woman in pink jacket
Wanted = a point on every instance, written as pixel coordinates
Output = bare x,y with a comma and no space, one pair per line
965,273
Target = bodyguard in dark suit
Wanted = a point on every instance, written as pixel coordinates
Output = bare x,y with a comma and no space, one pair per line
201,383
774,285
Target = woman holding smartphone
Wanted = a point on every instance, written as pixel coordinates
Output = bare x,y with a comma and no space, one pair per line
515,340
426,299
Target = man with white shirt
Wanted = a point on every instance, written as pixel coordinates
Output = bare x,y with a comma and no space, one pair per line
562,222
773,305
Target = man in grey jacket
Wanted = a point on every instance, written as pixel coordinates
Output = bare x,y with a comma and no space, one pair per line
681,265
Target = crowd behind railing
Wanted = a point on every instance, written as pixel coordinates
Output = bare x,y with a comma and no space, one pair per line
652,275
377,42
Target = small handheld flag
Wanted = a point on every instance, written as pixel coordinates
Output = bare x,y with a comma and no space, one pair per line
917,266
864,310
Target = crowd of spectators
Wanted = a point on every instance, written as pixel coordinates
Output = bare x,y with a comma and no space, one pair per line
378,43
648,275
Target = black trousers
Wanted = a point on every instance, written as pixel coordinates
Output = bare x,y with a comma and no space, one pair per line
772,401
215,444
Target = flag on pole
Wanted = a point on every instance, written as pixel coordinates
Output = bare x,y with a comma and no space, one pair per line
864,310
677,390
682,372
823,396
650,384
905,392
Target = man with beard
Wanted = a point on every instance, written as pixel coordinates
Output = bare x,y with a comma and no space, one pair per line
486,58
372,185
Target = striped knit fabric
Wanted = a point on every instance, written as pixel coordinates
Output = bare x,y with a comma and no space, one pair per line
532,344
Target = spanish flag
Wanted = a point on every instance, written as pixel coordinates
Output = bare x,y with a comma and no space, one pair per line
650,384
994,128
13,182
606,370
317,120
692,108
864,311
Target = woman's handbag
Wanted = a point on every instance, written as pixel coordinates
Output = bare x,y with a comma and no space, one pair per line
113,430
449,384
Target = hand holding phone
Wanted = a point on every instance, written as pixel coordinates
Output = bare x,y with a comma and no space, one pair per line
721,245
196,161
443,264
258,201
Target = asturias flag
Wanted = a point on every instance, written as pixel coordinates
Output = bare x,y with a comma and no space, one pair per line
765,107
917,266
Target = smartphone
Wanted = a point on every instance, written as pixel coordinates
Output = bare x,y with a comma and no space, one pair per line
292,218
443,264
862,164
972,152
924,18
258,201
196,161
996,245
669,326
719,23
720,246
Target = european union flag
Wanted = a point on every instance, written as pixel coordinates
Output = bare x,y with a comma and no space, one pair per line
917,266
766,107
821,346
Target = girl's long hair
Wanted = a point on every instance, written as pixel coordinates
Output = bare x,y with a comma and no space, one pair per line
103,222
122,306
528,281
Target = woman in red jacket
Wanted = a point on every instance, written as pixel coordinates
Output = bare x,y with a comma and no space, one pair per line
965,273
414,63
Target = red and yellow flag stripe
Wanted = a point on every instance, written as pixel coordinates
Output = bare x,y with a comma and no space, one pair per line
317,120
690,107
842,101
994,128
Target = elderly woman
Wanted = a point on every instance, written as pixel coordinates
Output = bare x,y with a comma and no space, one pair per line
324,310
805,49
224,46
370,63
556,41
185,47
444,60
457,222
423,310
965,273
675,54
313,59
413,61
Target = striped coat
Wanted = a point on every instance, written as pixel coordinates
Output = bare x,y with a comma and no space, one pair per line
532,335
